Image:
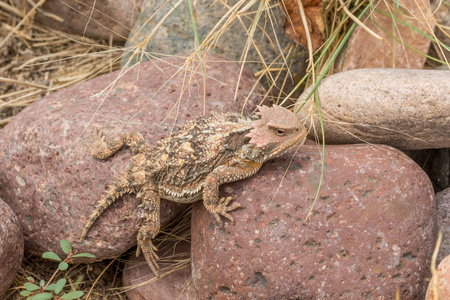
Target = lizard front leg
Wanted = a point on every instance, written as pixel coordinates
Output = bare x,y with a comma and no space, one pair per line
150,202
234,171
104,147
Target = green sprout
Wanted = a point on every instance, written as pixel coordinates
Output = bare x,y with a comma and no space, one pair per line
42,290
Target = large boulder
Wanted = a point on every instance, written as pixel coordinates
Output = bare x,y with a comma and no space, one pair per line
370,232
11,246
49,177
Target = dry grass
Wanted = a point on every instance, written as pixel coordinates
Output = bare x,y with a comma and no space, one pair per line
36,61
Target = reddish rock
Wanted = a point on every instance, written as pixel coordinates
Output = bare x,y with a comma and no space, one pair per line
407,109
49,177
176,284
443,218
108,18
443,282
11,246
371,231
366,51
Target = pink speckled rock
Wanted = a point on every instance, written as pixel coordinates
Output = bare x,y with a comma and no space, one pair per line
366,51
372,229
11,246
49,177
176,284
443,284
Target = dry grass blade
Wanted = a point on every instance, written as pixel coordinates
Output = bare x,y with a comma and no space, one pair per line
8,80
435,279
357,21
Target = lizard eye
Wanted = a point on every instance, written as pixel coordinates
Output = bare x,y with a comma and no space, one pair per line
280,132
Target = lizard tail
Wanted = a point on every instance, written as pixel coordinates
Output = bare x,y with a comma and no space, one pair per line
113,193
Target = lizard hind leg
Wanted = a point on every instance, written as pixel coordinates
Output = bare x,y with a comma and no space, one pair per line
150,202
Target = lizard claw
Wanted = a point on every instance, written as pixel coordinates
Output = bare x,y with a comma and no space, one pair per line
222,209
145,244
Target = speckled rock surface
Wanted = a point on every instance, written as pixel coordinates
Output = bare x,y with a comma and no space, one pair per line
49,177
372,229
175,285
108,18
407,109
11,246
366,51
443,273
443,204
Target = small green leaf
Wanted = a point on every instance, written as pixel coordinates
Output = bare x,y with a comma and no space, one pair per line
30,286
30,279
51,255
72,295
66,246
60,285
42,283
63,266
84,255
25,293
42,296
50,287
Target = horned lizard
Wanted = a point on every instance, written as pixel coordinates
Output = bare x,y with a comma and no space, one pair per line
192,162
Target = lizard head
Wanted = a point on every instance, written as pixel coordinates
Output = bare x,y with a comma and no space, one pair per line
276,131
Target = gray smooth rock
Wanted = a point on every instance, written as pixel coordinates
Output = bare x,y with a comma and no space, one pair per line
407,109
52,182
371,231
176,37
11,246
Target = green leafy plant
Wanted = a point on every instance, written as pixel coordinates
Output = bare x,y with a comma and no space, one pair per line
41,290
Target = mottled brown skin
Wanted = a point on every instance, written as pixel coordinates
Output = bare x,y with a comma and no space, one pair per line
193,162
